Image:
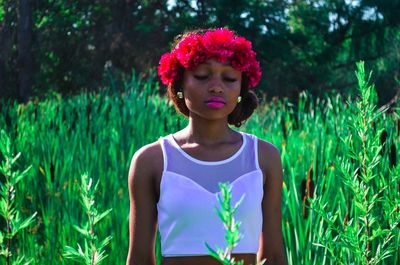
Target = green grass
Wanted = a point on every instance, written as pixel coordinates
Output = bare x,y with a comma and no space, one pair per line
98,133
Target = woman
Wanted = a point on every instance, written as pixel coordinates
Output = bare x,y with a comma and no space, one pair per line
173,182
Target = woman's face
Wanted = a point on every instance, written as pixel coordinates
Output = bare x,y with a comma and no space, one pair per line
211,89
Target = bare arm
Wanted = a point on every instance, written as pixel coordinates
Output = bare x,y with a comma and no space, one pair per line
143,210
271,247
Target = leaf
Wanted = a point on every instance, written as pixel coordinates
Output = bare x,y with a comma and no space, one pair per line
212,252
101,216
12,162
71,253
21,175
20,261
82,231
105,242
99,257
262,262
27,221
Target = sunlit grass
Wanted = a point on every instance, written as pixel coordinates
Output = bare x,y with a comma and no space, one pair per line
98,133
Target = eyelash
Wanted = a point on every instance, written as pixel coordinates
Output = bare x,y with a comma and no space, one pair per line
201,77
230,79
204,77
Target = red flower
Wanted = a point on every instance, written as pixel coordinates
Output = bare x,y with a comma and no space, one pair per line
244,55
168,68
220,44
254,74
190,51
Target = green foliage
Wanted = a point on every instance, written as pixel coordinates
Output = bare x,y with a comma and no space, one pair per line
99,132
84,133
232,235
364,232
231,226
12,216
2,11
93,252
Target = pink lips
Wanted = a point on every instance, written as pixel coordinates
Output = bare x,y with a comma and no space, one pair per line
215,102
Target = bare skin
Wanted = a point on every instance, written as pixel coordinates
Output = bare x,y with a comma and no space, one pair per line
207,138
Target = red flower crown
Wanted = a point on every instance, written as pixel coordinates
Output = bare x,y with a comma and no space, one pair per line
221,44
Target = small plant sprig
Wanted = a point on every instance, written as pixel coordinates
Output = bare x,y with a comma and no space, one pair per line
8,211
93,252
231,226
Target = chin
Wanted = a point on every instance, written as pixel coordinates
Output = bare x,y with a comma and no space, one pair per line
212,117
211,114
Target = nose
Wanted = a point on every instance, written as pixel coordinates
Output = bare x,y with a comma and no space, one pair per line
216,86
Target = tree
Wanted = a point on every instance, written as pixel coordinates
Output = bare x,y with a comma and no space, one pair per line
302,45
7,35
25,63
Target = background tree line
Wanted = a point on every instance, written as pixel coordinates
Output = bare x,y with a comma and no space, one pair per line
65,46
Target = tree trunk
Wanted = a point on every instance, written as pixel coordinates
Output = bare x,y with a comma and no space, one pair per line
7,34
25,61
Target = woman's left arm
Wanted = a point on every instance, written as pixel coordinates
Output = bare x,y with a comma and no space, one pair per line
271,242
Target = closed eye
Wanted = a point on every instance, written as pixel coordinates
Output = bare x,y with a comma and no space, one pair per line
231,80
201,77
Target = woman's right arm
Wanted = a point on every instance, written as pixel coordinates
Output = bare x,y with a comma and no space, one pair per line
143,209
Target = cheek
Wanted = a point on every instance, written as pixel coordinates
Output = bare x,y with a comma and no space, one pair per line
191,91
188,84
235,90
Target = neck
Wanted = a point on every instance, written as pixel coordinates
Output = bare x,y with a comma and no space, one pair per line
208,132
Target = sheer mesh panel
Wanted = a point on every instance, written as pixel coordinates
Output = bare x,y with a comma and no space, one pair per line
209,174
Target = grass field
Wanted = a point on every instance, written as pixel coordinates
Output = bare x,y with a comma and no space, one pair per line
341,193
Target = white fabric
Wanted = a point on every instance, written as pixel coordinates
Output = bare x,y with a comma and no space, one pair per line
188,197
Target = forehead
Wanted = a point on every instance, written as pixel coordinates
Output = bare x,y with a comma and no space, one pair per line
212,63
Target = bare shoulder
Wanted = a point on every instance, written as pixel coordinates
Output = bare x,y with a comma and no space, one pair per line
269,158
148,154
271,247
146,163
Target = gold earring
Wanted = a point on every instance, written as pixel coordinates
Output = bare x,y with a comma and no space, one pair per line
179,94
239,99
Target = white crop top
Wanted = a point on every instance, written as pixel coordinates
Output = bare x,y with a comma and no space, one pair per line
188,197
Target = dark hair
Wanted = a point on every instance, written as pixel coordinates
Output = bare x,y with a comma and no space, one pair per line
242,111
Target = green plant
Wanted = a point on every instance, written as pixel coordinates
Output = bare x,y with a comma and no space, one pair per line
8,210
99,132
231,226
93,252
360,227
